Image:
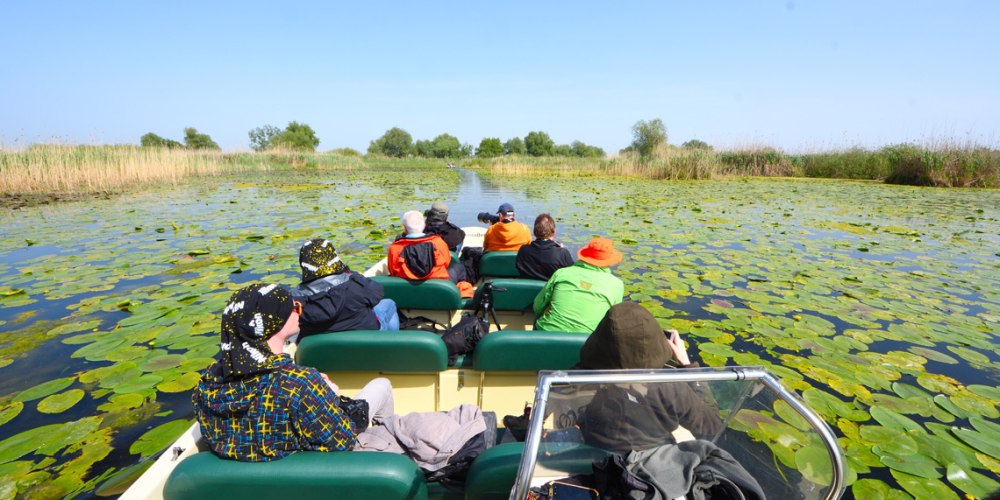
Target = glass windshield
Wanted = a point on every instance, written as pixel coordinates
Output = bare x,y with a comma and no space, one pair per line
605,428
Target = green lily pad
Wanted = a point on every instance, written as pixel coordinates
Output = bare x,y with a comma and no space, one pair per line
158,438
893,420
120,481
183,383
917,465
892,441
971,482
988,444
970,355
985,391
814,464
873,489
58,403
10,410
922,487
139,385
974,404
125,401
44,389
933,355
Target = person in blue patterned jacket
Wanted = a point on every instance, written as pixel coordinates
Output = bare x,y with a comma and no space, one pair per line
255,404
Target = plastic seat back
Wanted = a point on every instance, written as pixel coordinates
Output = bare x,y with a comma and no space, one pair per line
499,265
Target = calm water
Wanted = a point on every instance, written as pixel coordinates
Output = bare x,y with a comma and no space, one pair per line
824,281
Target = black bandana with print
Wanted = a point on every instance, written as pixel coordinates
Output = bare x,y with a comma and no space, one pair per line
318,259
253,315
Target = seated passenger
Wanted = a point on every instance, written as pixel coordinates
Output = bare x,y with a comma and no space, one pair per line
334,299
544,255
255,404
437,223
576,297
417,255
624,417
506,233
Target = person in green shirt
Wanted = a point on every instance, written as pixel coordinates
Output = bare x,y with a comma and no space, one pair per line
576,298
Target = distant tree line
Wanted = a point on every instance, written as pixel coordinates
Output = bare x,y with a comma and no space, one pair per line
192,140
398,143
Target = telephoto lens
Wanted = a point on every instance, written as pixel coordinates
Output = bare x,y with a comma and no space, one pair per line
487,218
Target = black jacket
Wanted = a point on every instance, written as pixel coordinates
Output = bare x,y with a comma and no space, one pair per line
541,258
450,233
338,303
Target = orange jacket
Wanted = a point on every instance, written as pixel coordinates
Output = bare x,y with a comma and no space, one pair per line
399,266
506,236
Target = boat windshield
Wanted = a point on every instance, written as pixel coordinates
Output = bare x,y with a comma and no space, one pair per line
738,420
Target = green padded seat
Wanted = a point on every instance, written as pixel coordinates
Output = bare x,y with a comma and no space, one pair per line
373,350
499,264
494,471
512,350
303,475
435,295
517,294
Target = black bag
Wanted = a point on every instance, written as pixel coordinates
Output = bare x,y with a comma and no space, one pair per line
463,337
420,323
356,410
453,475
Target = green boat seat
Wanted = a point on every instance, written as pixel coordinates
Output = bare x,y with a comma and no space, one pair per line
303,475
494,471
499,265
436,295
373,350
511,350
515,294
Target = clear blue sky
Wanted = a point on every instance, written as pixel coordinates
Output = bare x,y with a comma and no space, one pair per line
798,75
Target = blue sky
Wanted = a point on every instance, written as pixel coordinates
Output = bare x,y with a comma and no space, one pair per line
798,75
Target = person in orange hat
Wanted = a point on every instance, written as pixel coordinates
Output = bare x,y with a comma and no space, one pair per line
576,298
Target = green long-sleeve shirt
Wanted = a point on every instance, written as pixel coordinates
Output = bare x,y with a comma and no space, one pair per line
576,298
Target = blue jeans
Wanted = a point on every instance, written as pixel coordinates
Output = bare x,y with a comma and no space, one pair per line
385,311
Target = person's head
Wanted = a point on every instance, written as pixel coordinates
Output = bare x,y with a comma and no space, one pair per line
506,212
254,317
438,213
413,222
627,338
600,252
318,259
545,227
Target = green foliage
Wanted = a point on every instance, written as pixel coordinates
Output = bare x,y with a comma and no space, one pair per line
446,146
194,140
346,152
539,144
946,166
395,143
586,151
489,147
696,144
562,150
424,148
648,136
514,146
152,140
754,162
297,137
262,138
855,163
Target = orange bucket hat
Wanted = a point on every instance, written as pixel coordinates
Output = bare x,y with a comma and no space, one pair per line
600,252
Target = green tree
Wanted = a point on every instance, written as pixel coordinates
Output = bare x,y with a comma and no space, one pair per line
396,143
538,144
152,140
514,146
262,138
297,136
696,144
586,151
346,152
489,147
446,146
647,136
194,140
424,148
562,150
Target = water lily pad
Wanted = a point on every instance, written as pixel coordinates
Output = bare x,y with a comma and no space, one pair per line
971,482
970,355
891,441
58,403
139,385
873,489
183,383
10,410
44,389
986,443
814,464
975,404
985,391
893,420
915,464
158,438
921,487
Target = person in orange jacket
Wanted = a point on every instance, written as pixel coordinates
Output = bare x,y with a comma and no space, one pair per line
506,233
418,256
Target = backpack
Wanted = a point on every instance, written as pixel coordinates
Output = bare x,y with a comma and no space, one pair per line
464,335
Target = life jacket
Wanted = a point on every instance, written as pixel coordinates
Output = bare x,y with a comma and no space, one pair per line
421,258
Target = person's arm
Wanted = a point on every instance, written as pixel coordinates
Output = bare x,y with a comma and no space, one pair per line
543,298
318,417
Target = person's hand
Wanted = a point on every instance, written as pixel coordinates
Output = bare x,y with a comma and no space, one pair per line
677,346
329,382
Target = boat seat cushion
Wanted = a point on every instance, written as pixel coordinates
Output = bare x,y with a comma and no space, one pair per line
515,294
494,471
512,350
499,264
302,475
436,295
373,350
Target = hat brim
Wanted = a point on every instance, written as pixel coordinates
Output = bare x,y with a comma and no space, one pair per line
611,260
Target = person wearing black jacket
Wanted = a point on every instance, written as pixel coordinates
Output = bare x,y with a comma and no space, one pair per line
544,255
437,223
334,299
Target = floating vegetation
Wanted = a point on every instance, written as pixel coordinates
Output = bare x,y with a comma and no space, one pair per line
106,326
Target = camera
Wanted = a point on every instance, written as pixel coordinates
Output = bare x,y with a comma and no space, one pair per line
488,218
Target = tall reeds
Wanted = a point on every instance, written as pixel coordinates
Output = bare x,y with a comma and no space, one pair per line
70,170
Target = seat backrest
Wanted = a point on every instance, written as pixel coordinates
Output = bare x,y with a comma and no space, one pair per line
303,475
437,295
494,471
528,351
515,294
499,264
373,351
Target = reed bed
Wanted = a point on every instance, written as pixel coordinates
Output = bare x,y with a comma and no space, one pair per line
72,170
